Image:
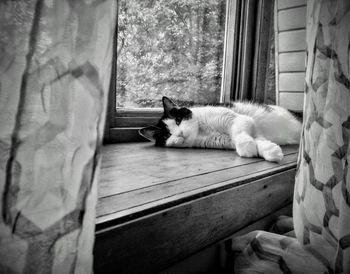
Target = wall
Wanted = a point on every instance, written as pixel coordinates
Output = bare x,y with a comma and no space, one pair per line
290,53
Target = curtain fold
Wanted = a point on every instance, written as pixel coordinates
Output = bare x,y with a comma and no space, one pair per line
55,65
321,208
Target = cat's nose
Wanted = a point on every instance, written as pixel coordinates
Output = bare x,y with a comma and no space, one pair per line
179,132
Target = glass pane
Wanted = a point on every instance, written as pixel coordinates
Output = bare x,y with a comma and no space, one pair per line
172,48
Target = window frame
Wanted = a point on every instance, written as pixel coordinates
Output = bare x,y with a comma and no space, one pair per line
242,66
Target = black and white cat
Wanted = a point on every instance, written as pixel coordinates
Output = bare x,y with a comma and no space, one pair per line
251,129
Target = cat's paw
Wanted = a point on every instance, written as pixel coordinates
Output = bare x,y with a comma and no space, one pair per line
179,141
175,141
270,151
246,146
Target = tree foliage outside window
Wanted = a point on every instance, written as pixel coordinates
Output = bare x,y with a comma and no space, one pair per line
172,48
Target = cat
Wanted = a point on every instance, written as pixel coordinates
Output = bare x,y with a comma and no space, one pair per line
251,129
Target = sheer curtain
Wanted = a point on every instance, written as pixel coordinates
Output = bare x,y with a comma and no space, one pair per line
320,242
322,192
55,65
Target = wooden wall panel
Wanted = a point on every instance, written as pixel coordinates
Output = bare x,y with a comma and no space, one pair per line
292,19
292,101
290,43
292,82
294,40
292,61
284,4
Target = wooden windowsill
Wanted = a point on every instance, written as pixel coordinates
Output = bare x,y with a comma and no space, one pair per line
157,205
137,179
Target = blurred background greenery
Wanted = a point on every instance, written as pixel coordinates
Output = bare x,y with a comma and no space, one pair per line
172,48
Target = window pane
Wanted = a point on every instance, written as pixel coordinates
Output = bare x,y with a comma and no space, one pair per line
169,47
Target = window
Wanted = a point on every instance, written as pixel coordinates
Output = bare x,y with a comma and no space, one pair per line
139,187
193,51
172,48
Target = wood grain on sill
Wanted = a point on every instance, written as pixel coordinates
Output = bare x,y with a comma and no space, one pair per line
154,242
138,179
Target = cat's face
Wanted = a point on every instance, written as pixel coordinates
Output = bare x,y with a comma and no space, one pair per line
175,121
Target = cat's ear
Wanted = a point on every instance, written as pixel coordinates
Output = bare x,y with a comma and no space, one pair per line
149,132
168,105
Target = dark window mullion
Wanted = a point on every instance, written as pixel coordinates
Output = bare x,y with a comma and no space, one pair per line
111,100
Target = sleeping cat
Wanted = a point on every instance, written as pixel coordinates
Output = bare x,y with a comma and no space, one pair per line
251,129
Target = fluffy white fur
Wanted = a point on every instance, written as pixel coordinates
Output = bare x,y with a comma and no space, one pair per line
250,129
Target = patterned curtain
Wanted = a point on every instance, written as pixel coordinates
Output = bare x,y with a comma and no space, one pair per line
322,192
55,62
321,207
